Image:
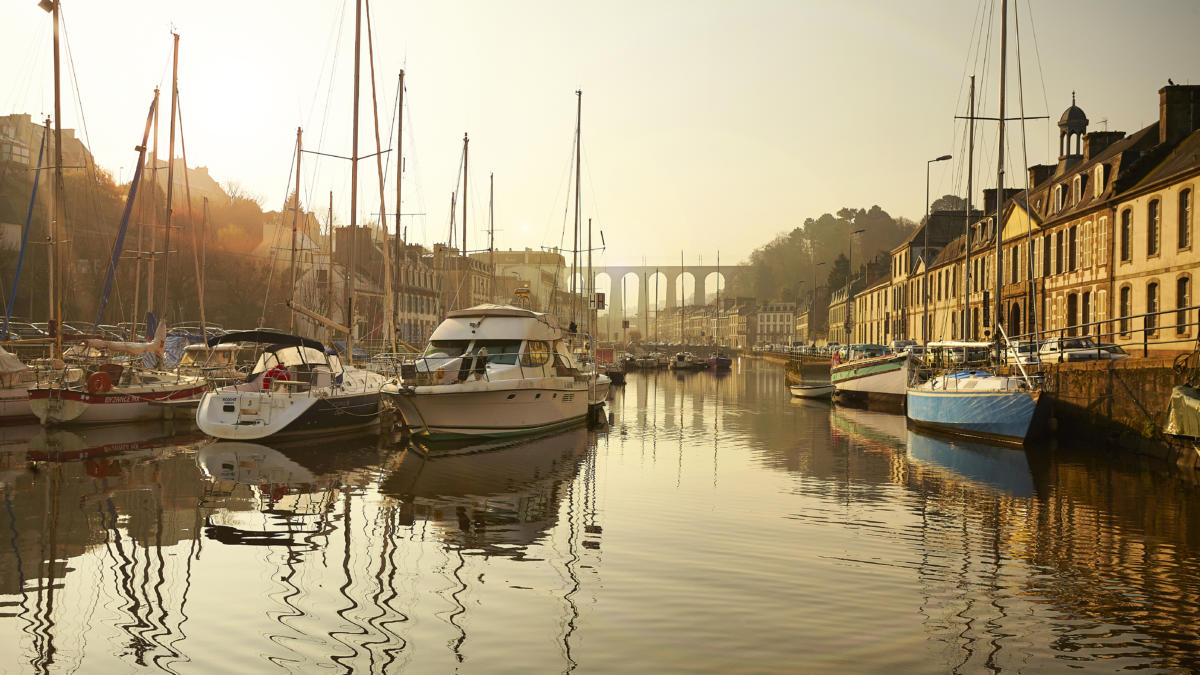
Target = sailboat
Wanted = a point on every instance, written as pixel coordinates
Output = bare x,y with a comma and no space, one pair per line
115,388
297,385
978,403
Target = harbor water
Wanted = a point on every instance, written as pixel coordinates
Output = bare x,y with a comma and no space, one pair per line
713,526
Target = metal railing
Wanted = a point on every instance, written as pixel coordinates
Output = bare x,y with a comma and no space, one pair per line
1123,331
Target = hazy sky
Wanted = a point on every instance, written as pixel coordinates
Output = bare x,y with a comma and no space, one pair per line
706,125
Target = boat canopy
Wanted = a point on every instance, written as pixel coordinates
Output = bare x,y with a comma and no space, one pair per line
959,343
296,355
270,337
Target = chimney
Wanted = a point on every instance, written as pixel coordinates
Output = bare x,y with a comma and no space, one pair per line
989,199
1095,142
1040,172
1178,112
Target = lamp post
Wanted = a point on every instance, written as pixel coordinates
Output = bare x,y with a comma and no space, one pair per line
925,257
850,288
813,303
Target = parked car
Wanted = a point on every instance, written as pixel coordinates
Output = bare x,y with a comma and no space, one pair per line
1023,352
1072,349
1116,351
898,346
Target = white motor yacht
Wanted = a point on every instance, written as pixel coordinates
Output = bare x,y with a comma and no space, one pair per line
492,371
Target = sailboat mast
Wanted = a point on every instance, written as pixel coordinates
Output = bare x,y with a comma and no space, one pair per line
150,276
589,285
968,326
56,269
466,144
492,235
578,212
996,319
295,217
389,317
329,279
170,176
396,305
351,275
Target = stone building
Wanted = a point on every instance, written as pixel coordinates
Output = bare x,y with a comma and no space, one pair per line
21,139
776,323
812,317
841,312
465,281
418,295
1109,229
872,312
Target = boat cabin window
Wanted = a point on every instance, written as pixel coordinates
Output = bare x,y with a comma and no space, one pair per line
537,354
447,348
499,351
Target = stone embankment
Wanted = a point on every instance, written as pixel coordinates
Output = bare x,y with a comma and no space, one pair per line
1122,402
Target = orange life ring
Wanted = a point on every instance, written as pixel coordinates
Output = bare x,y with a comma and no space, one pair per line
99,382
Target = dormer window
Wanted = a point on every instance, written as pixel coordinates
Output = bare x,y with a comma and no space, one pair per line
1060,197
1077,190
1098,180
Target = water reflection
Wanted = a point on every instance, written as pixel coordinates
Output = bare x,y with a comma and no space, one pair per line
147,545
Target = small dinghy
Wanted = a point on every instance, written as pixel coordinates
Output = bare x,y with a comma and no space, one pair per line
811,390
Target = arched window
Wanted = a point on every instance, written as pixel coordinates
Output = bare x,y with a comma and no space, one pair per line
1151,306
1183,299
1185,218
1152,218
1126,235
1125,308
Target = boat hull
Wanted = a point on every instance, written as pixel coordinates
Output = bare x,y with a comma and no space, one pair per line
14,406
811,390
243,415
445,412
883,380
71,406
997,416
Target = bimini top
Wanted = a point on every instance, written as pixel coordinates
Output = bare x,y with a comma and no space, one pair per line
269,337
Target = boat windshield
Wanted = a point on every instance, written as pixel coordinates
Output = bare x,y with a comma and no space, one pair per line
499,351
446,348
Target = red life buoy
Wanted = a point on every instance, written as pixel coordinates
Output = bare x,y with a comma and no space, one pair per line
99,382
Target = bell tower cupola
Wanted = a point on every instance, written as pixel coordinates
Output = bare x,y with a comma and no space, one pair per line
1071,128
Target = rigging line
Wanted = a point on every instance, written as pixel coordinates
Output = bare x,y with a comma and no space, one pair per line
275,241
315,171
1041,76
28,68
1030,305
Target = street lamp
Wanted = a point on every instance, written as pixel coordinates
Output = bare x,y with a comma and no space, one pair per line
925,257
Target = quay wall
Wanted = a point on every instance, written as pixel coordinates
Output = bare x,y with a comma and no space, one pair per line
1122,402
797,368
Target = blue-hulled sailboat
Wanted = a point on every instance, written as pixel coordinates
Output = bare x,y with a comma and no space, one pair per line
975,403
